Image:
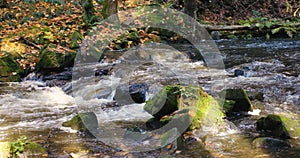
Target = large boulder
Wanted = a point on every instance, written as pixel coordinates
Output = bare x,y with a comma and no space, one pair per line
280,126
236,100
51,60
10,69
185,107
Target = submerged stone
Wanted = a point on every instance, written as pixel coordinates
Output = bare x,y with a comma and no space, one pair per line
279,126
267,142
237,101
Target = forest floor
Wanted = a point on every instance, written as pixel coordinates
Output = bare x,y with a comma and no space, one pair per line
27,26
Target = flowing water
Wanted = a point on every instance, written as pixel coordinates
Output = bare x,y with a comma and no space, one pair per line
271,69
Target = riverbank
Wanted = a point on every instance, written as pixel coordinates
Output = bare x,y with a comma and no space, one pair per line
59,26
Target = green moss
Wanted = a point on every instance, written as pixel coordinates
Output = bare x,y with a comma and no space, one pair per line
52,60
208,113
23,145
292,125
10,70
228,106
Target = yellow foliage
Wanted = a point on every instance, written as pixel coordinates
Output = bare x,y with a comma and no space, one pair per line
14,48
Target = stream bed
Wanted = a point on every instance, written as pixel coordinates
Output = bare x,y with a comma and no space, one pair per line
271,76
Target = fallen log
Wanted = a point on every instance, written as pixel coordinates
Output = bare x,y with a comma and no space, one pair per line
242,27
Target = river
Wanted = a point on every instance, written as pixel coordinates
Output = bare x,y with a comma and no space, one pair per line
271,69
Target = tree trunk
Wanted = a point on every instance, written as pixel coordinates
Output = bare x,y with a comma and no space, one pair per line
3,4
241,27
110,7
88,11
190,8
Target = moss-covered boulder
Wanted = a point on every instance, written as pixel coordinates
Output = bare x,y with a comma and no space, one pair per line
83,122
188,107
164,103
267,142
236,100
279,126
51,60
10,69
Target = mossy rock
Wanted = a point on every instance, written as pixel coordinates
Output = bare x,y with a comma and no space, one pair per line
267,142
236,100
25,148
10,70
51,60
165,103
83,122
279,126
191,107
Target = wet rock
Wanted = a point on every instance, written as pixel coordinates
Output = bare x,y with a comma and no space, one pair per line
138,92
10,70
65,75
135,93
279,126
237,101
101,72
239,72
55,82
83,122
245,71
273,126
50,60
256,96
267,142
